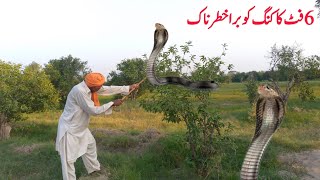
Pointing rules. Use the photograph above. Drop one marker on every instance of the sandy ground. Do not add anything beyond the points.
(307, 162)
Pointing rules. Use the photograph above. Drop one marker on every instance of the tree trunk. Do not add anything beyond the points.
(5, 128)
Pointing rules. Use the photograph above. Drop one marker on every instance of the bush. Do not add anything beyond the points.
(251, 86)
(205, 129)
(306, 92)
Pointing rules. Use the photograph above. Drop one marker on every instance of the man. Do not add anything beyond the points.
(74, 139)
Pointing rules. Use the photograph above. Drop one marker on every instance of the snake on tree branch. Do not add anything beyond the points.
(160, 38)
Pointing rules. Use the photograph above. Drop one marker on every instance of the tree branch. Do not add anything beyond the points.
(276, 87)
(290, 85)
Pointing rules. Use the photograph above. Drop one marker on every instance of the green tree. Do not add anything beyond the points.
(64, 73)
(37, 92)
(130, 71)
(23, 91)
(205, 130)
(10, 109)
(312, 67)
(288, 63)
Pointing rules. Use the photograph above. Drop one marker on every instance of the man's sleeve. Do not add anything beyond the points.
(87, 104)
(111, 90)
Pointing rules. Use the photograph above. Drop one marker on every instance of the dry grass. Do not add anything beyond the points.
(27, 149)
(136, 119)
(126, 119)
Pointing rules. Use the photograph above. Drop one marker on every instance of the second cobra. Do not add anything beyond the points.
(269, 112)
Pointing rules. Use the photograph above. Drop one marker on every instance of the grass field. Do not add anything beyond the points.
(134, 144)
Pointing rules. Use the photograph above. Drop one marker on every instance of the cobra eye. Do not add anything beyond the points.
(267, 87)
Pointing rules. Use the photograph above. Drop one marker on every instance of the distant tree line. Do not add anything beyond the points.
(309, 74)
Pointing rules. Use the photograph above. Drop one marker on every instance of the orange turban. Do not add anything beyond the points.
(92, 80)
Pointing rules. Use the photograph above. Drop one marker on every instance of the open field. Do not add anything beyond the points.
(134, 144)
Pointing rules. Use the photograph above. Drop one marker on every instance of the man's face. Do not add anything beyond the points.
(95, 88)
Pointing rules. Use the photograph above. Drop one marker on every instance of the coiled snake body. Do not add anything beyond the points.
(269, 111)
(160, 39)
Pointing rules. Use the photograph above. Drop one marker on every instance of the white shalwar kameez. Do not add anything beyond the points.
(74, 139)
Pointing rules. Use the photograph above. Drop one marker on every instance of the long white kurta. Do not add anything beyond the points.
(74, 120)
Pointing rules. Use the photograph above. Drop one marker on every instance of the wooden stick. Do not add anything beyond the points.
(124, 97)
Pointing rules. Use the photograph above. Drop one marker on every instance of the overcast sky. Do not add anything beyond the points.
(104, 32)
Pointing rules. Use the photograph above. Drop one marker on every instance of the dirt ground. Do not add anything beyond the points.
(306, 163)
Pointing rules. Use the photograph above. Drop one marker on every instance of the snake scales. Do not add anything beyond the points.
(269, 113)
(160, 38)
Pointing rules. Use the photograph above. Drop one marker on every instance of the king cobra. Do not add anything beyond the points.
(160, 39)
(269, 113)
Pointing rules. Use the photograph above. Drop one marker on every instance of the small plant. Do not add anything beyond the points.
(306, 92)
(251, 86)
(252, 112)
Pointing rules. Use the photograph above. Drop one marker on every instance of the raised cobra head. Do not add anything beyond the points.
(267, 91)
(160, 38)
(159, 26)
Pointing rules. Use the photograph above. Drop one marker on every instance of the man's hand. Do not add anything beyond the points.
(117, 102)
(134, 86)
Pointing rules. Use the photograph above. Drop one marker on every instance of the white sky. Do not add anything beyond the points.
(104, 32)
